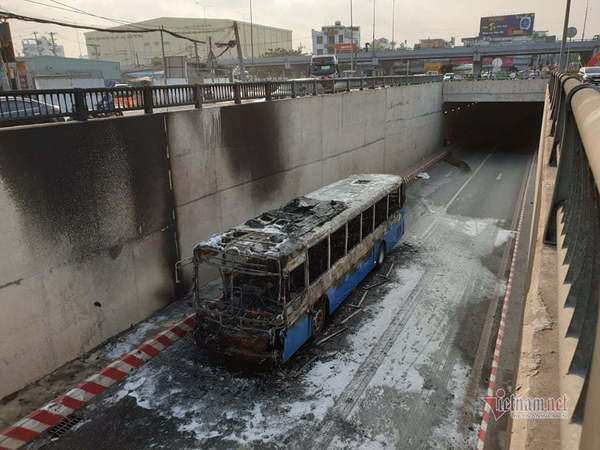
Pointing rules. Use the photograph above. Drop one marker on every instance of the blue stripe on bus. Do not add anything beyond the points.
(301, 331)
(339, 293)
(296, 335)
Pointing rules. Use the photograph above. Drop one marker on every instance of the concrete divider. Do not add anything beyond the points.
(95, 214)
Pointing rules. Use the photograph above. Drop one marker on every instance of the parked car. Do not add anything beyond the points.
(458, 78)
(590, 74)
(449, 76)
(21, 110)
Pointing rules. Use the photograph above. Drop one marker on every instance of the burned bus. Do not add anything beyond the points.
(285, 271)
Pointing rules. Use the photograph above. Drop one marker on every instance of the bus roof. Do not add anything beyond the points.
(285, 230)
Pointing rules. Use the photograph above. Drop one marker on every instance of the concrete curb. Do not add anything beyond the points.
(414, 171)
(492, 379)
(54, 412)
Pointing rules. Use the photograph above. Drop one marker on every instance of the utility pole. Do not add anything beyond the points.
(351, 40)
(37, 43)
(251, 34)
(52, 33)
(373, 43)
(587, 8)
(236, 31)
(164, 58)
(393, 17)
(562, 59)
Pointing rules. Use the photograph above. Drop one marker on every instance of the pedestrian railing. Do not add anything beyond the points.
(574, 227)
(33, 106)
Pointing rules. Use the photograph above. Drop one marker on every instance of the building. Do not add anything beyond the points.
(42, 46)
(55, 72)
(145, 49)
(434, 43)
(335, 38)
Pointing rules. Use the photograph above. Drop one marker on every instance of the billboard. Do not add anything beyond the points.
(507, 26)
(346, 48)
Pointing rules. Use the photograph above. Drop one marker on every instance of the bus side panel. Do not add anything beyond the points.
(296, 335)
(394, 234)
(338, 294)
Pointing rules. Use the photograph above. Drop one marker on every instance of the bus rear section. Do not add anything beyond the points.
(285, 271)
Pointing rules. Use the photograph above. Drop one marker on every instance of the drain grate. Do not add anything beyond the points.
(63, 426)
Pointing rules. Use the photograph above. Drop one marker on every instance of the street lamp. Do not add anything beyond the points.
(562, 59)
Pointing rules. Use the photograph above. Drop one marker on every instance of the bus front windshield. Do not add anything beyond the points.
(323, 70)
(252, 292)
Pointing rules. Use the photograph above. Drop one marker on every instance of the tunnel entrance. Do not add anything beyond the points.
(514, 125)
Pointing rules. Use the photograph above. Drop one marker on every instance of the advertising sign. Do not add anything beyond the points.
(346, 48)
(507, 26)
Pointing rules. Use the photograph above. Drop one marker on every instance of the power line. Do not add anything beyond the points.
(10, 15)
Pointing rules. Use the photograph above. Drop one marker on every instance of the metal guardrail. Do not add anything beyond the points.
(34, 106)
(574, 227)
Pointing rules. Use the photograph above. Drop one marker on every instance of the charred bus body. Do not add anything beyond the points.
(286, 270)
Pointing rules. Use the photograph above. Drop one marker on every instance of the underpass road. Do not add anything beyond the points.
(403, 375)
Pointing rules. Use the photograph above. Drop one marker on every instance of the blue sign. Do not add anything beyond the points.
(507, 26)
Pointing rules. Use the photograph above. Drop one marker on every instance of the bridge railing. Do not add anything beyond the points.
(574, 227)
(31, 106)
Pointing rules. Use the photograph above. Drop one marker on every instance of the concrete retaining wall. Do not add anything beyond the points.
(87, 232)
(86, 239)
(495, 91)
(230, 164)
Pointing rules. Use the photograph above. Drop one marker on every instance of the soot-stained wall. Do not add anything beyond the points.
(86, 235)
(231, 163)
(87, 230)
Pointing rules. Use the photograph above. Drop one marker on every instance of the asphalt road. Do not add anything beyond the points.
(405, 374)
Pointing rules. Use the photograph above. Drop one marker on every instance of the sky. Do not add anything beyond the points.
(414, 19)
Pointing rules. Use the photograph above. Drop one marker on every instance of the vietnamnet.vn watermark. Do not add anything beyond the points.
(527, 407)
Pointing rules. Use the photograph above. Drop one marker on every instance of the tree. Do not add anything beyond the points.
(283, 52)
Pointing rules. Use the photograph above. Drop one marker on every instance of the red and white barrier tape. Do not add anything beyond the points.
(30, 427)
(492, 380)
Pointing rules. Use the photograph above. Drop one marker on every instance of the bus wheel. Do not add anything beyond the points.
(319, 317)
(381, 255)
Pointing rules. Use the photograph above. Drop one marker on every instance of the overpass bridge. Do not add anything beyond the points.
(387, 58)
(98, 212)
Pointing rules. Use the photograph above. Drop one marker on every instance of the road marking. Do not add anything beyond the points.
(492, 379)
(475, 172)
(435, 221)
(499, 177)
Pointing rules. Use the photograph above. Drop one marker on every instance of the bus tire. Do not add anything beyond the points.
(319, 316)
(380, 255)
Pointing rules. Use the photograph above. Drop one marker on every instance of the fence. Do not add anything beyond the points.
(32, 106)
(574, 227)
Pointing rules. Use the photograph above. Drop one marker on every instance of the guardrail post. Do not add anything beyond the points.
(314, 86)
(80, 108)
(268, 91)
(293, 88)
(237, 96)
(197, 95)
(148, 100)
